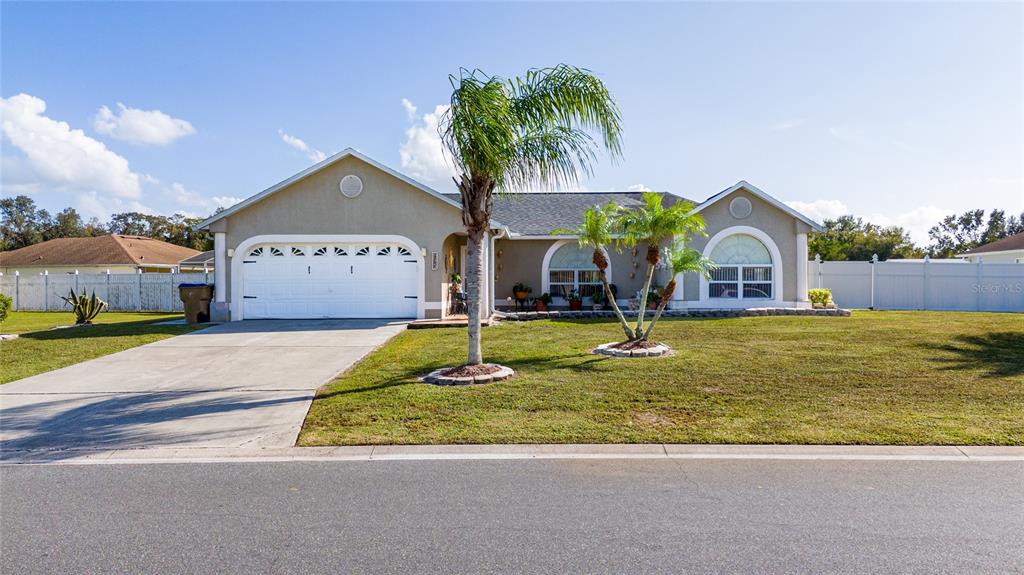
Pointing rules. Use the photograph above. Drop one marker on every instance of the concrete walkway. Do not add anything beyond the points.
(243, 384)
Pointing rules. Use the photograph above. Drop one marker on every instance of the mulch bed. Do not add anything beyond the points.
(631, 345)
(471, 370)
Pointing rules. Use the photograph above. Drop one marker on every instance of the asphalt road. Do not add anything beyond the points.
(524, 516)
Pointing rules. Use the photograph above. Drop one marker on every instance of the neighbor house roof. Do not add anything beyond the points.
(99, 250)
(1007, 244)
(541, 213)
(347, 152)
(200, 259)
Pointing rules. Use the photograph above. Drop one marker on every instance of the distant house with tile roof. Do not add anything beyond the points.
(89, 255)
(1009, 250)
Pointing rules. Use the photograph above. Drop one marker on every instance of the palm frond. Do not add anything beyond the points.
(682, 259)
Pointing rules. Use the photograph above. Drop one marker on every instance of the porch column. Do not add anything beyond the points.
(801, 269)
(485, 286)
(220, 267)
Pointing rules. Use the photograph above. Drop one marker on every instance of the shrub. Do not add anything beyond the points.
(5, 306)
(821, 296)
(84, 307)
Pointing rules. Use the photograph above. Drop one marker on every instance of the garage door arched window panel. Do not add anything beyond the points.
(256, 252)
(363, 251)
(321, 251)
(340, 251)
(744, 269)
(298, 251)
(275, 251)
(403, 252)
(384, 251)
(572, 268)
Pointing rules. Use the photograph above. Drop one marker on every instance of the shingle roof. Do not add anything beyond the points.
(198, 259)
(539, 214)
(1014, 242)
(99, 250)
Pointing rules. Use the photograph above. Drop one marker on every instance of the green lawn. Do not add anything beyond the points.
(41, 348)
(873, 378)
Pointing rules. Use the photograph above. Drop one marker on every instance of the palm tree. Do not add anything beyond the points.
(596, 232)
(681, 259)
(507, 135)
(654, 224)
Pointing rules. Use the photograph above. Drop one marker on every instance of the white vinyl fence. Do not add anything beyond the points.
(955, 286)
(122, 292)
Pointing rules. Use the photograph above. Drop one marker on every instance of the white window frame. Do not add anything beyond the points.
(546, 270)
(741, 283)
(705, 301)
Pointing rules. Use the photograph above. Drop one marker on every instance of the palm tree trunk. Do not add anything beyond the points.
(615, 306)
(643, 301)
(666, 294)
(474, 275)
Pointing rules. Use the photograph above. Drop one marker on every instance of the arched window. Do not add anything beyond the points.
(743, 269)
(572, 268)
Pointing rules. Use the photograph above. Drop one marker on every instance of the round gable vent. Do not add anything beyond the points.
(740, 207)
(351, 186)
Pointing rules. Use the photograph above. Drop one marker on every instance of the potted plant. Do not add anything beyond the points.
(598, 299)
(653, 298)
(521, 291)
(542, 302)
(456, 281)
(575, 300)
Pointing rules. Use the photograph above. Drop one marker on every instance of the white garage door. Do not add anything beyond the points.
(329, 280)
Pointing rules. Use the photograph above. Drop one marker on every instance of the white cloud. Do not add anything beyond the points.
(313, 154)
(92, 204)
(194, 204)
(788, 124)
(423, 155)
(637, 188)
(137, 126)
(63, 158)
(916, 222)
(410, 109)
(820, 210)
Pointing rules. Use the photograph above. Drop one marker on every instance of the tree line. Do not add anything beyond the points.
(851, 238)
(844, 238)
(22, 224)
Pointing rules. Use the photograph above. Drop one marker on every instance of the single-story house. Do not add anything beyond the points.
(351, 237)
(201, 262)
(95, 255)
(1009, 250)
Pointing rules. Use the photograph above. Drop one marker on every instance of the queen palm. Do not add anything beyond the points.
(509, 135)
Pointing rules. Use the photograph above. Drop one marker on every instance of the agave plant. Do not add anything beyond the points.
(85, 308)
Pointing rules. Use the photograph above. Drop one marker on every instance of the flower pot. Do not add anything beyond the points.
(540, 306)
(521, 295)
(575, 305)
(598, 307)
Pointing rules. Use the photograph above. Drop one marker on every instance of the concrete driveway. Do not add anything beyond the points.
(242, 384)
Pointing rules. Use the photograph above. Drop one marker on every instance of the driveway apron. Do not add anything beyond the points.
(241, 384)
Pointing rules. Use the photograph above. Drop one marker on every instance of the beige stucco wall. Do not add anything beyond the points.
(36, 270)
(387, 206)
(522, 261)
(780, 226)
(1016, 257)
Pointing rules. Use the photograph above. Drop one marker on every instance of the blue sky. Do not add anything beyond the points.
(896, 112)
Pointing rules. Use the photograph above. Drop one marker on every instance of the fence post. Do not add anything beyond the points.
(817, 268)
(17, 290)
(76, 281)
(46, 290)
(874, 262)
(924, 284)
(140, 289)
(979, 276)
